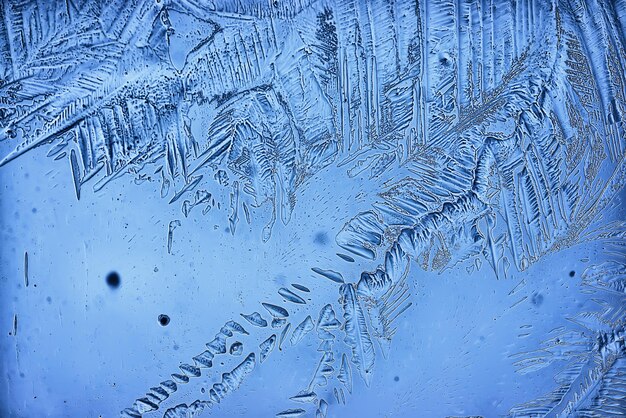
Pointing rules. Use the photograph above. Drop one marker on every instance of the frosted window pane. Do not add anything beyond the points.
(312, 208)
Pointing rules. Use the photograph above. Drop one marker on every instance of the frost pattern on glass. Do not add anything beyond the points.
(478, 132)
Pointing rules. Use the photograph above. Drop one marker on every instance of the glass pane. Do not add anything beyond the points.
(312, 208)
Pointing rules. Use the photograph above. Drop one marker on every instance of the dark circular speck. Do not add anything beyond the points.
(113, 280)
(321, 238)
(164, 320)
(396, 379)
(572, 273)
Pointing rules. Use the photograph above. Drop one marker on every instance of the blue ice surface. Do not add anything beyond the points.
(312, 208)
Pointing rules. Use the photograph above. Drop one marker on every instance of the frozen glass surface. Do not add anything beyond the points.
(349, 208)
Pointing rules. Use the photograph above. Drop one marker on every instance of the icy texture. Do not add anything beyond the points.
(278, 162)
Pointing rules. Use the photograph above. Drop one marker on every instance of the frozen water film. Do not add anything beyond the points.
(331, 208)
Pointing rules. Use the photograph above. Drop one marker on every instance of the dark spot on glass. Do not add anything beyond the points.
(572, 273)
(396, 379)
(321, 238)
(48, 299)
(113, 280)
(164, 320)
(537, 299)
